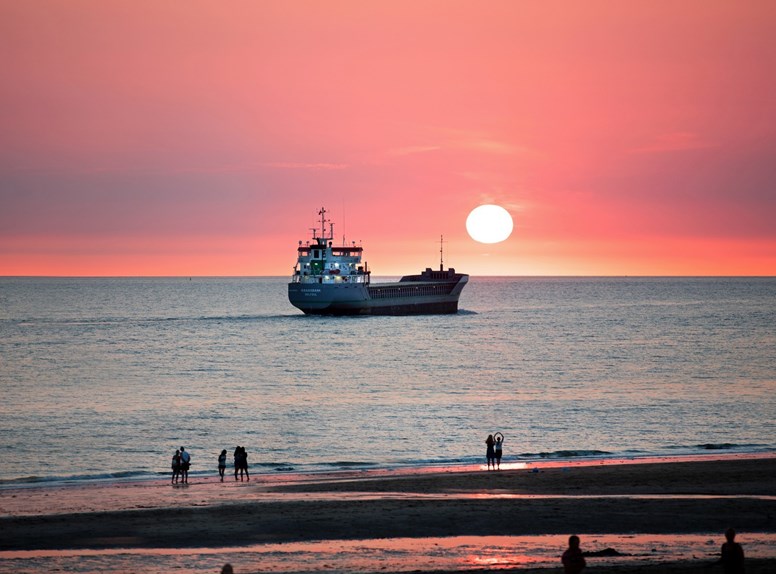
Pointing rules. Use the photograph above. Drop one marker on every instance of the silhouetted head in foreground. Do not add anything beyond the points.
(227, 569)
(730, 535)
(573, 541)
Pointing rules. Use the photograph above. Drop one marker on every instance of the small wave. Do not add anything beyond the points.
(267, 465)
(349, 464)
(236, 318)
(22, 480)
(98, 321)
(728, 446)
(76, 477)
(721, 446)
(566, 454)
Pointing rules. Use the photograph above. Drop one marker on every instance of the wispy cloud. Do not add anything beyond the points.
(674, 141)
(491, 146)
(484, 142)
(302, 165)
(224, 168)
(449, 140)
(411, 150)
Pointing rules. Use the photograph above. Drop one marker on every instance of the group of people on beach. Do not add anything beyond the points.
(494, 449)
(181, 462)
(240, 463)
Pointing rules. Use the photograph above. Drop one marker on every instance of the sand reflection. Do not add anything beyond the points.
(459, 553)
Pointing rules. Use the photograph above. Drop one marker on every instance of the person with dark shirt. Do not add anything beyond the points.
(732, 554)
(237, 460)
(176, 466)
(222, 464)
(573, 561)
(244, 464)
(241, 463)
(489, 452)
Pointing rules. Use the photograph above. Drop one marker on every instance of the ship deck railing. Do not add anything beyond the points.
(414, 289)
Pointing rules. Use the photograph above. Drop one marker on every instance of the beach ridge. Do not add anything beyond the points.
(710, 496)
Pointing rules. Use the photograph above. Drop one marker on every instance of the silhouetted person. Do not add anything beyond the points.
(244, 464)
(241, 463)
(497, 449)
(237, 454)
(185, 463)
(489, 452)
(222, 464)
(732, 554)
(573, 561)
(227, 569)
(176, 466)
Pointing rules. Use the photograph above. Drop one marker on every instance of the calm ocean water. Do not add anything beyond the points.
(106, 377)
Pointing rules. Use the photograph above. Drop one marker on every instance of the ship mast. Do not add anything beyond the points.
(324, 221)
(441, 261)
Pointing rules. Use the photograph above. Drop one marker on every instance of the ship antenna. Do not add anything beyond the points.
(322, 213)
(441, 260)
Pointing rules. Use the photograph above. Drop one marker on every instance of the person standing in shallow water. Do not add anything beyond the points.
(244, 464)
(237, 454)
(732, 554)
(489, 452)
(222, 464)
(572, 559)
(185, 463)
(176, 466)
(497, 449)
(241, 462)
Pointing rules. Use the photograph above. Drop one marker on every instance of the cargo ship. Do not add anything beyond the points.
(331, 280)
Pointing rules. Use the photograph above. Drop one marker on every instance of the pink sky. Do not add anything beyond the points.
(201, 138)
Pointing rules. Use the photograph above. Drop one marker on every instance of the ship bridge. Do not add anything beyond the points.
(323, 262)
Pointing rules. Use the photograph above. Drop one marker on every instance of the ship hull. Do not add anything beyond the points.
(400, 298)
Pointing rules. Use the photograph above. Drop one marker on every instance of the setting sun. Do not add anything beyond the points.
(489, 224)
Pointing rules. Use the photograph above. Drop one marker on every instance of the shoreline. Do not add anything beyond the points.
(614, 500)
(369, 470)
(284, 470)
(602, 486)
(30, 499)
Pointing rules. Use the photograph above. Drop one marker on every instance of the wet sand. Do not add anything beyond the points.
(652, 498)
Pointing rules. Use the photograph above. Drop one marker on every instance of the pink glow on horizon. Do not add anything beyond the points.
(144, 138)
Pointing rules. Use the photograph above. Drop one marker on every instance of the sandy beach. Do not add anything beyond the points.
(654, 498)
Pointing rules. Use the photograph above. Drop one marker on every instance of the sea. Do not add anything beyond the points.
(104, 378)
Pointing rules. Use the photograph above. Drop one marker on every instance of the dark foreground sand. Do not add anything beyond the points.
(659, 498)
(752, 567)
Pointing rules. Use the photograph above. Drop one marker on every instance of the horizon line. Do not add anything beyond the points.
(617, 276)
